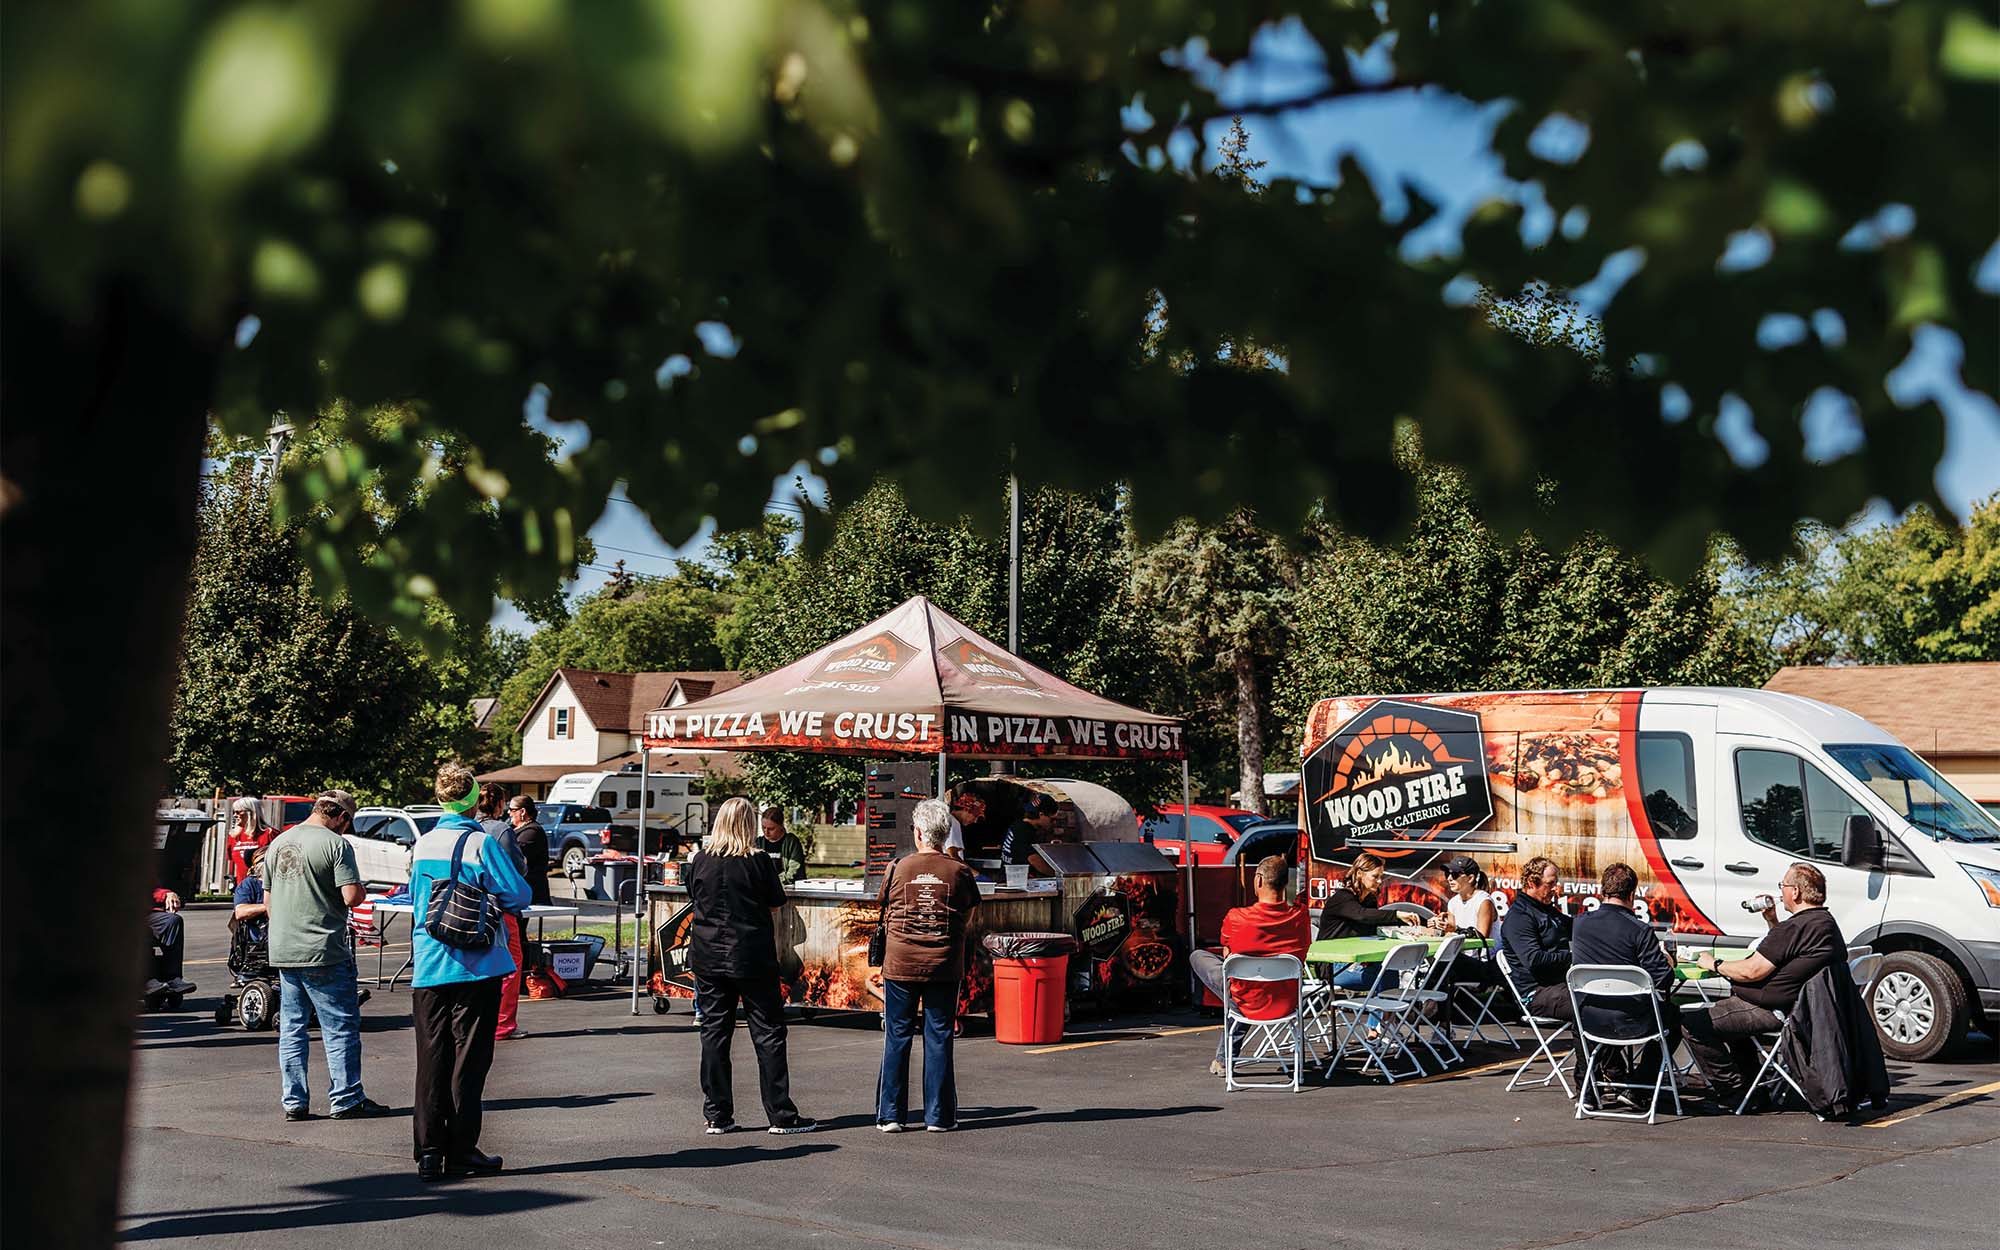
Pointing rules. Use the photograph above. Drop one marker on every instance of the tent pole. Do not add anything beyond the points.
(1187, 860)
(940, 784)
(639, 881)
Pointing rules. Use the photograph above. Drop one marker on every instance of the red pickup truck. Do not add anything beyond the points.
(1214, 828)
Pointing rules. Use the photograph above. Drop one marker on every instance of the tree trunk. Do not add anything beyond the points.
(1249, 733)
(100, 453)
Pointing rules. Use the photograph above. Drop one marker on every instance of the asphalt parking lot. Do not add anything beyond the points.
(1116, 1138)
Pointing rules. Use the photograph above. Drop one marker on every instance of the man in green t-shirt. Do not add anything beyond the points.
(310, 880)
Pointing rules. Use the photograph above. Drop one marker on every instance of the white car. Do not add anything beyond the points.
(382, 839)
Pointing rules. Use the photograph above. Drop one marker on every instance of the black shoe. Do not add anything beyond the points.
(473, 1161)
(797, 1124)
(430, 1165)
(179, 986)
(298, 1113)
(366, 1109)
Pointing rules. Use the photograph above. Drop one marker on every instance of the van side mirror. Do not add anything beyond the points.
(1861, 843)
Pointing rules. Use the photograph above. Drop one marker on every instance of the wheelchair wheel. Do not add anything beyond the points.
(255, 1005)
(226, 1012)
(659, 1005)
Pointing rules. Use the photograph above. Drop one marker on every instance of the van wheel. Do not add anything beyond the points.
(572, 860)
(1919, 1005)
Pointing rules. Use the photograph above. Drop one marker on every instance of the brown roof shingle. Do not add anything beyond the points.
(1938, 709)
(618, 702)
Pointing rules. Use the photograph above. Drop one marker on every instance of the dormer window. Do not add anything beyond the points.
(559, 722)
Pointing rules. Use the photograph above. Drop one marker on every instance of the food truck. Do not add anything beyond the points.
(1709, 794)
(920, 683)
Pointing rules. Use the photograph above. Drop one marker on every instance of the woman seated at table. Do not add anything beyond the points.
(1350, 911)
(1469, 908)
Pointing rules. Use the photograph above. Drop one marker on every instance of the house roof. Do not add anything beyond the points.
(618, 702)
(1937, 709)
(482, 712)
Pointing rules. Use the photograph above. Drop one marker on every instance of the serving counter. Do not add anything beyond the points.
(1125, 923)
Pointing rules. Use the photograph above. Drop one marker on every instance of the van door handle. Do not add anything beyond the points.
(1685, 863)
(1742, 870)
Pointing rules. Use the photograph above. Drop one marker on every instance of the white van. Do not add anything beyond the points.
(672, 800)
(1708, 793)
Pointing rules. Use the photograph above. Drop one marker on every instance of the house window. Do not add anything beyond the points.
(559, 726)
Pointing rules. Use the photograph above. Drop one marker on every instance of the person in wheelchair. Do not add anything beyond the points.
(252, 912)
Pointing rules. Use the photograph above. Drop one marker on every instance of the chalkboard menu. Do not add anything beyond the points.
(894, 789)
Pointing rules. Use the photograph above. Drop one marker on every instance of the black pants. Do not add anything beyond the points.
(1719, 1039)
(169, 935)
(1619, 1063)
(717, 997)
(1552, 1002)
(454, 1025)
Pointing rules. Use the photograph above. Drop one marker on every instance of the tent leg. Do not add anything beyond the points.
(940, 783)
(639, 881)
(1187, 865)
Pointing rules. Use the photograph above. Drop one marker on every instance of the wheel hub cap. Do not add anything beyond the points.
(1904, 1008)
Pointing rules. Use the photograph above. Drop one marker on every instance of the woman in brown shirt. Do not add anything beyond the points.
(926, 904)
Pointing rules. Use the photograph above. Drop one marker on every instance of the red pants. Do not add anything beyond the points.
(510, 985)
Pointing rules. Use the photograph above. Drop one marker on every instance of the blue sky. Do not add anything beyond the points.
(1437, 144)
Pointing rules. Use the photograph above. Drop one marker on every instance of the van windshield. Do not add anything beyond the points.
(1915, 789)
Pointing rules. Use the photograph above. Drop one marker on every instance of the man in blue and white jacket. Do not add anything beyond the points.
(455, 993)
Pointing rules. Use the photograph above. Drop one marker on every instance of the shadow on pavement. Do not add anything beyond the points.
(970, 1121)
(356, 1200)
(674, 1160)
(566, 1102)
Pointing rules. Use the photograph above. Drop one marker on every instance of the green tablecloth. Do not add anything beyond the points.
(1688, 970)
(1372, 950)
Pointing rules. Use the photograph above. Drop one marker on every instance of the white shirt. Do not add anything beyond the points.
(1464, 912)
(955, 840)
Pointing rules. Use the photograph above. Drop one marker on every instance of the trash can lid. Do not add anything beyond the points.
(1029, 945)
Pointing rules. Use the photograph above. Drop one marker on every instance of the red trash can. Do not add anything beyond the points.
(1030, 982)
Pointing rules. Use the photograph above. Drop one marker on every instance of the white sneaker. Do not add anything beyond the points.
(888, 1126)
(939, 1128)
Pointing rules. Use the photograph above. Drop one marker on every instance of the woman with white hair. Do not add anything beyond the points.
(927, 903)
(733, 952)
(247, 833)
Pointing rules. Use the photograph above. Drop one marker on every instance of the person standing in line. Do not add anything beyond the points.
(733, 952)
(310, 880)
(533, 842)
(782, 844)
(455, 990)
(495, 823)
(247, 834)
(927, 904)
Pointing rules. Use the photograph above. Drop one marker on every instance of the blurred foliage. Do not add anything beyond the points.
(899, 237)
(1914, 592)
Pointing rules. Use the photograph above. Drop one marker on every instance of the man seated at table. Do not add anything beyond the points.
(1535, 941)
(1769, 980)
(1614, 934)
(1273, 925)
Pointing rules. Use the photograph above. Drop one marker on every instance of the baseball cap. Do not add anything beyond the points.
(342, 799)
(1461, 866)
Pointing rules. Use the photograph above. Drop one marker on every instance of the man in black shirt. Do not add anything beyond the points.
(1769, 980)
(1534, 941)
(1614, 934)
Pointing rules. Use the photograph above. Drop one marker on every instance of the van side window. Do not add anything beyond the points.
(1792, 806)
(1666, 780)
(608, 798)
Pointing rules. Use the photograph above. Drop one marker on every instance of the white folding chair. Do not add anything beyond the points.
(1772, 1073)
(1391, 1004)
(1472, 1002)
(1278, 1040)
(1546, 1029)
(1618, 981)
(1864, 965)
(1433, 1020)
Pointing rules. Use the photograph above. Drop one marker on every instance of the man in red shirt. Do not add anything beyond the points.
(1274, 925)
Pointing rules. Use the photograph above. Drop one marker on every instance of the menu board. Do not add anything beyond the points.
(894, 789)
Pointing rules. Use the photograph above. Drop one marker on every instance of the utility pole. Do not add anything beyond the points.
(1014, 564)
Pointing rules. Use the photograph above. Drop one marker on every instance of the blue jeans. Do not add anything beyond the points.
(331, 991)
(900, 1003)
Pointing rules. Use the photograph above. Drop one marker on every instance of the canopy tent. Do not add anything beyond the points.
(916, 681)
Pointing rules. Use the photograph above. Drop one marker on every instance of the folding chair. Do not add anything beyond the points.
(1269, 1040)
(1546, 1029)
(1618, 981)
(1771, 1071)
(1473, 1009)
(1434, 995)
(1392, 1002)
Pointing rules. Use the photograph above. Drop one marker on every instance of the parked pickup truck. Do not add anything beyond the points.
(576, 832)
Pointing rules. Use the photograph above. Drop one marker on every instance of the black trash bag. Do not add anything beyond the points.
(1029, 945)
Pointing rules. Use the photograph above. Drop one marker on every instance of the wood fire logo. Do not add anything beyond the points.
(1398, 771)
(871, 659)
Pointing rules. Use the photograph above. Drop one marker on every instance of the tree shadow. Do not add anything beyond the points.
(355, 1200)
